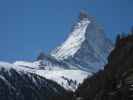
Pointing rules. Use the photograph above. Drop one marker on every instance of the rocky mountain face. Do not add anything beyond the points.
(115, 82)
(87, 46)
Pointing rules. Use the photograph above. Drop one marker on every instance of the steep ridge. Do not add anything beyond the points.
(86, 47)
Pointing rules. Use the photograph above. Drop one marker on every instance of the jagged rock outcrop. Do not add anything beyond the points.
(115, 82)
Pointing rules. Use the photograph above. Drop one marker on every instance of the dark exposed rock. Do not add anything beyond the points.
(115, 82)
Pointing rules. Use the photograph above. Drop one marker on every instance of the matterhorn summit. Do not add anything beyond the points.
(87, 47)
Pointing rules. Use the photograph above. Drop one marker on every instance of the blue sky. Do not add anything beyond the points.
(28, 26)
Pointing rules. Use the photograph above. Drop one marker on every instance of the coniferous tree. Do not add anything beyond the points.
(118, 37)
(123, 35)
(131, 31)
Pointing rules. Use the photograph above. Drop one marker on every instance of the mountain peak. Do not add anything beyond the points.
(87, 46)
(83, 15)
(73, 43)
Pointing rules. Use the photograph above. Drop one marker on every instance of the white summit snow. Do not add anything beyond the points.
(73, 43)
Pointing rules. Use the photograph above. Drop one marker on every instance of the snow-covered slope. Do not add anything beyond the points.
(86, 47)
(67, 78)
(16, 84)
(74, 42)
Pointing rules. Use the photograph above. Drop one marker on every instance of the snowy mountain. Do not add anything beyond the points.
(84, 52)
(86, 47)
